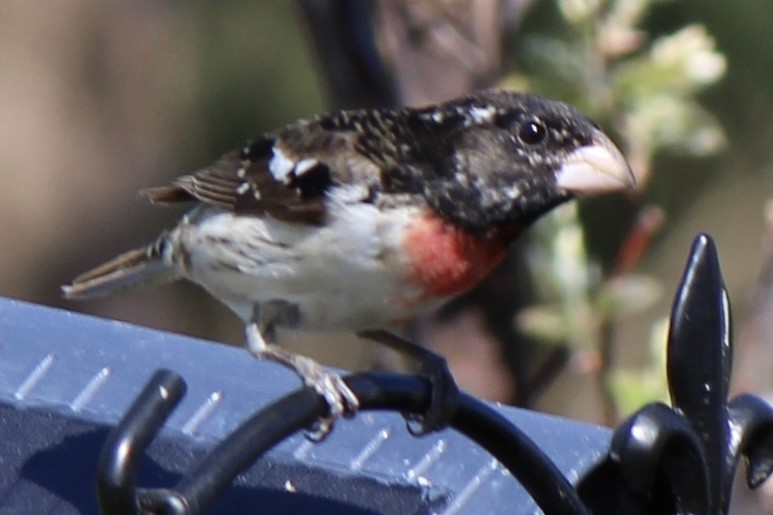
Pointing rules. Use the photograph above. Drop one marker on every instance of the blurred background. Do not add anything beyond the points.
(100, 98)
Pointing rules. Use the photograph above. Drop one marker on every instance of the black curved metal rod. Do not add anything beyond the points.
(552, 492)
(126, 443)
(215, 473)
(751, 422)
(517, 452)
(656, 440)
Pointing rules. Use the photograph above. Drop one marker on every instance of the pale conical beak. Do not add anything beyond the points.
(596, 168)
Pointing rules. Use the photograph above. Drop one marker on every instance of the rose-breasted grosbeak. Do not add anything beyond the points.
(358, 219)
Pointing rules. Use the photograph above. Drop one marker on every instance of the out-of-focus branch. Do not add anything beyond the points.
(342, 36)
(440, 49)
(647, 224)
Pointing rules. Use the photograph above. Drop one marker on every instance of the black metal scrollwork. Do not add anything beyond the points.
(685, 456)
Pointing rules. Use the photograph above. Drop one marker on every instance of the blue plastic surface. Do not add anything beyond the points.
(65, 378)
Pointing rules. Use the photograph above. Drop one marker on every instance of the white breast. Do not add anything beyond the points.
(346, 275)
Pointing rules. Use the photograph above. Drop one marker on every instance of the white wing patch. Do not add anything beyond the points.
(280, 166)
(304, 165)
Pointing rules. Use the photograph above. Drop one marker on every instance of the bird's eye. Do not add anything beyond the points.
(532, 132)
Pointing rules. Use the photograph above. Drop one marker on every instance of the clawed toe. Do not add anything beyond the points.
(444, 394)
(341, 401)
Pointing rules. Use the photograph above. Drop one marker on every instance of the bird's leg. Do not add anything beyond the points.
(444, 394)
(339, 397)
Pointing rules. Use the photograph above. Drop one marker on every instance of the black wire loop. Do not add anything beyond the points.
(202, 485)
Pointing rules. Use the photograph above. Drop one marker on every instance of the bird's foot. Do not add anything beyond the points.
(444, 395)
(341, 401)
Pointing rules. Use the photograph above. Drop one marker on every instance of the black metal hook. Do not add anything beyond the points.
(121, 453)
(751, 419)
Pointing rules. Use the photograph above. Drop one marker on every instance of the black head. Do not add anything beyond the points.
(510, 157)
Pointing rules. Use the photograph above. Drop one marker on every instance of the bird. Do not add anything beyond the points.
(360, 219)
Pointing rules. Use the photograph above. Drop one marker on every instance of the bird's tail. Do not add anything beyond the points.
(131, 269)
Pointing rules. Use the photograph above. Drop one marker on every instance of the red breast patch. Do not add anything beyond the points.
(447, 260)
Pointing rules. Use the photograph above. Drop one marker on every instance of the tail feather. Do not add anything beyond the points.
(131, 269)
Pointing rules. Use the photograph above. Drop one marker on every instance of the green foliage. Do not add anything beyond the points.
(632, 389)
(644, 90)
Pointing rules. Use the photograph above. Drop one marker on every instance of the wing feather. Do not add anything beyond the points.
(243, 182)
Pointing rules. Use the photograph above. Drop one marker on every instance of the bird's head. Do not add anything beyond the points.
(514, 156)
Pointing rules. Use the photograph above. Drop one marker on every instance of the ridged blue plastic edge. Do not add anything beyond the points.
(59, 366)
